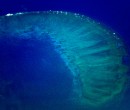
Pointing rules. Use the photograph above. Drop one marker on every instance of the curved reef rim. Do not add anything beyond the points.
(90, 50)
(82, 16)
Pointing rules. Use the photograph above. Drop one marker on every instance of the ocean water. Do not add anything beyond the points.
(32, 73)
(56, 60)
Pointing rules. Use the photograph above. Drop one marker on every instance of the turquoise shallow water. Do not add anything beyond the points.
(60, 61)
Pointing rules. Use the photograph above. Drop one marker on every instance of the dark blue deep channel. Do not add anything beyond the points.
(32, 75)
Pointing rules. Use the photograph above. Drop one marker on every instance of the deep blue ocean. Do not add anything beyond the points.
(33, 76)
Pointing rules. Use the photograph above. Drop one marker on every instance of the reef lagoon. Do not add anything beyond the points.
(56, 60)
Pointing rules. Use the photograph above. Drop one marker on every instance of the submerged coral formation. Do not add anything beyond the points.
(92, 52)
